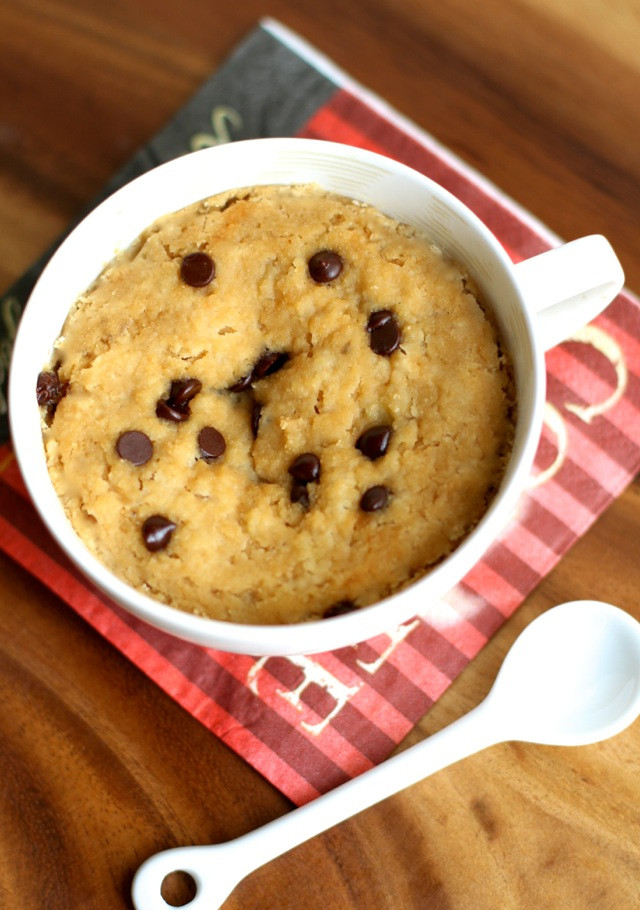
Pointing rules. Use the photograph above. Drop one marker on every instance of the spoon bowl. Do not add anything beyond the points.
(572, 677)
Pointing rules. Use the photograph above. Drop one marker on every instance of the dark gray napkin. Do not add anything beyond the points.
(263, 89)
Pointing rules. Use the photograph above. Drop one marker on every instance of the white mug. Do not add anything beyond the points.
(537, 304)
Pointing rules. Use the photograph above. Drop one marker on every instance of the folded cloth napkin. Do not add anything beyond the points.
(310, 723)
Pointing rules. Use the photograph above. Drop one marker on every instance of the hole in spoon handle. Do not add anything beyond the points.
(217, 869)
(214, 878)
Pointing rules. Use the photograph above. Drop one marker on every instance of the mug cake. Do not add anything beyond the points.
(277, 405)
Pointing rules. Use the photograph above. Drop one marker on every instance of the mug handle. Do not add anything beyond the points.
(568, 286)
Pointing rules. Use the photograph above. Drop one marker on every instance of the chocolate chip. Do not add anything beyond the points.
(384, 332)
(256, 413)
(176, 406)
(156, 532)
(324, 266)
(374, 442)
(374, 499)
(167, 411)
(299, 493)
(134, 446)
(268, 364)
(378, 319)
(305, 468)
(339, 609)
(211, 442)
(197, 269)
(50, 389)
(183, 390)
(242, 384)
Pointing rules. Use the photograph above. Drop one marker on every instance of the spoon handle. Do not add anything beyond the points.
(216, 869)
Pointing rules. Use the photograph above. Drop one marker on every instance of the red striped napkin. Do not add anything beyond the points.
(310, 723)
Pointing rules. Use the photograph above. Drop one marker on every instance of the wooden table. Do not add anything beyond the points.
(98, 768)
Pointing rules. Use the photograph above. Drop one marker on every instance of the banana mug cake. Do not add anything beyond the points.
(277, 405)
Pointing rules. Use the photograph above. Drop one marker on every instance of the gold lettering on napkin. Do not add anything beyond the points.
(9, 316)
(555, 422)
(609, 348)
(604, 344)
(395, 638)
(223, 118)
(314, 673)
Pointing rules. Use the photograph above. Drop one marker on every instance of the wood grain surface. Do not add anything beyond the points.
(98, 768)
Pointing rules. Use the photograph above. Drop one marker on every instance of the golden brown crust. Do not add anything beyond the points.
(241, 549)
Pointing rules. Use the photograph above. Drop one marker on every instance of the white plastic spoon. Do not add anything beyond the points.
(571, 678)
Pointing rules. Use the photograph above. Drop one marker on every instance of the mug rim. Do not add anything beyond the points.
(303, 637)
